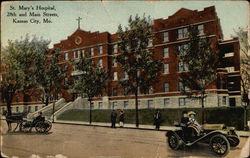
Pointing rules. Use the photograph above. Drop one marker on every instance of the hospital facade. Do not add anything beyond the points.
(169, 36)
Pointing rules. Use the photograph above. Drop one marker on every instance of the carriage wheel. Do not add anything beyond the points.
(220, 145)
(233, 140)
(40, 127)
(173, 141)
(47, 125)
(25, 127)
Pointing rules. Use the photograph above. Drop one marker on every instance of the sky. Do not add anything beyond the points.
(106, 16)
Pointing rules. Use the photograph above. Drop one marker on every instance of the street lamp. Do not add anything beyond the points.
(246, 98)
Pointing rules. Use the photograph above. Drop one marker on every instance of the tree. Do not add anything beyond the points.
(10, 80)
(91, 82)
(245, 64)
(50, 75)
(26, 54)
(201, 62)
(135, 59)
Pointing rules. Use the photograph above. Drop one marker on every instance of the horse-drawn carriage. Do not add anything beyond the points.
(39, 123)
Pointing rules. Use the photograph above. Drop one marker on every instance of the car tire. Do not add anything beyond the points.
(220, 145)
(173, 142)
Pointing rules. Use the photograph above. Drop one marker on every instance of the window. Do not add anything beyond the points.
(92, 105)
(224, 100)
(76, 54)
(165, 36)
(182, 67)
(99, 105)
(139, 102)
(66, 56)
(150, 43)
(114, 91)
(99, 49)
(91, 51)
(114, 48)
(182, 101)
(83, 54)
(29, 108)
(79, 53)
(181, 50)
(165, 68)
(166, 87)
(114, 63)
(150, 90)
(125, 91)
(150, 104)
(115, 77)
(166, 101)
(230, 54)
(17, 98)
(125, 104)
(100, 62)
(182, 33)
(36, 108)
(125, 75)
(201, 29)
(17, 109)
(230, 69)
(138, 73)
(114, 105)
(181, 86)
(165, 53)
(65, 81)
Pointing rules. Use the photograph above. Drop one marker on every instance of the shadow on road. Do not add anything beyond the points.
(25, 133)
(197, 150)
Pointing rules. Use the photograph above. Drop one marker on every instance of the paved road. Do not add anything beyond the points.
(77, 141)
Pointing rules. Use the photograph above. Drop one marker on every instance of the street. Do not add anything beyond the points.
(77, 141)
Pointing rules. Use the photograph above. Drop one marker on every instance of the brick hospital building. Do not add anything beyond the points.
(170, 34)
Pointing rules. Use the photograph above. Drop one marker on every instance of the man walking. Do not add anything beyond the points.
(157, 119)
(113, 118)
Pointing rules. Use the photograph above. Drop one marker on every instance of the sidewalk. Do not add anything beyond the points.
(133, 126)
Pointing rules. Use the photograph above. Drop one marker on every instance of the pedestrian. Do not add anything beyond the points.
(121, 118)
(157, 119)
(113, 118)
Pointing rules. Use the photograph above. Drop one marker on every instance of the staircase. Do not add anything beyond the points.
(47, 111)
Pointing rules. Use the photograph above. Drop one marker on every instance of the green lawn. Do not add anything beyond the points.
(231, 116)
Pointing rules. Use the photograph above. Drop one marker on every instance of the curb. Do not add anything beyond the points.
(240, 133)
(83, 124)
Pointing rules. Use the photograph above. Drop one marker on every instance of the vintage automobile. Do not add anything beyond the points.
(218, 136)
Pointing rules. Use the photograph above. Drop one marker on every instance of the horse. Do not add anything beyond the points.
(17, 118)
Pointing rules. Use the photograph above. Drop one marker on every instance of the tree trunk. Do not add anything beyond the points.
(90, 111)
(53, 111)
(25, 100)
(9, 107)
(202, 110)
(136, 110)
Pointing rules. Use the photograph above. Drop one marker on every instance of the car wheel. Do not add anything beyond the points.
(220, 145)
(173, 141)
(233, 140)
